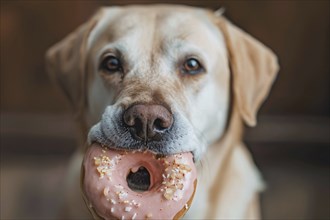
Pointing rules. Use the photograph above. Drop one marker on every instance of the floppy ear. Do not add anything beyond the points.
(253, 66)
(65, 63)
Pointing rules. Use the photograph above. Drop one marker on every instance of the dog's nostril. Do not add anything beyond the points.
(138, 124)
(160, 125)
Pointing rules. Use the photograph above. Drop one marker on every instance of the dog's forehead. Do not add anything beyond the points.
(148, 24)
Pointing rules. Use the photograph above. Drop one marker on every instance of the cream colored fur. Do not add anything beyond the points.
(210, 107)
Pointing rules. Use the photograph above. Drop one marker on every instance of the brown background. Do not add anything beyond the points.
(290, 143)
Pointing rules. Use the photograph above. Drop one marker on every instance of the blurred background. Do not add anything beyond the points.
(290, 144)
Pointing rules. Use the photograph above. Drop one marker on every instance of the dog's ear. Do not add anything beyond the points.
(253, 66)
(66, 61)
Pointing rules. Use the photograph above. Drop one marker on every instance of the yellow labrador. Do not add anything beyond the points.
(170, 79)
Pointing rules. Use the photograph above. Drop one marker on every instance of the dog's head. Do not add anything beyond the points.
(159, 77)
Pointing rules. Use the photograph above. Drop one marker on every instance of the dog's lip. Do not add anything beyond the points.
(145, 148)
(157, 136)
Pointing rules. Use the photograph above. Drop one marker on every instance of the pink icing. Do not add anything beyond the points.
(108, 193)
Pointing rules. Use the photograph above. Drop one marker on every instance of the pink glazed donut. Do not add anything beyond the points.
(110, 193)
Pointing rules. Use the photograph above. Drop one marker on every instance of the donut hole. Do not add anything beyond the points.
(139, 181)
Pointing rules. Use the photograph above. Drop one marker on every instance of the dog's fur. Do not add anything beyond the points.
(209, 108)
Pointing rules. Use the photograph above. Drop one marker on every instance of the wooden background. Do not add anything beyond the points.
(290, 143)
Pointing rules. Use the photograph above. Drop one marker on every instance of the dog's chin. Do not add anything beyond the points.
(142, 148)
(170, 144)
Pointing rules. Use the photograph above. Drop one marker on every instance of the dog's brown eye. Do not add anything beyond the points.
(192, 66)
(111, 64)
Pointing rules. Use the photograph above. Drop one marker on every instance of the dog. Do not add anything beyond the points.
(170, 79)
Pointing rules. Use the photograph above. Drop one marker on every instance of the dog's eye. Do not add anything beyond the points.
(192, 66)
(111, 64)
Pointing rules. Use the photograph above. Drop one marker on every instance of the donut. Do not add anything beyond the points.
(120, 184)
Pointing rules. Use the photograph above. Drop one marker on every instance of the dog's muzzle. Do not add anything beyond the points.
(146, 127)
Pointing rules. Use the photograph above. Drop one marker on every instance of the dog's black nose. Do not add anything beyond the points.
(148, 122)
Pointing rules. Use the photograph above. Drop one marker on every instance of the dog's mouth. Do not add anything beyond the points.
(110, 131)
(137, 176)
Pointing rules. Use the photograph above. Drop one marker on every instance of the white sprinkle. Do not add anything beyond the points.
(113, 201)
(134, 216)
(128, 209)
(122, 217)
(164, 176)
(186, 206)
(122, 195)
(112, 209)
